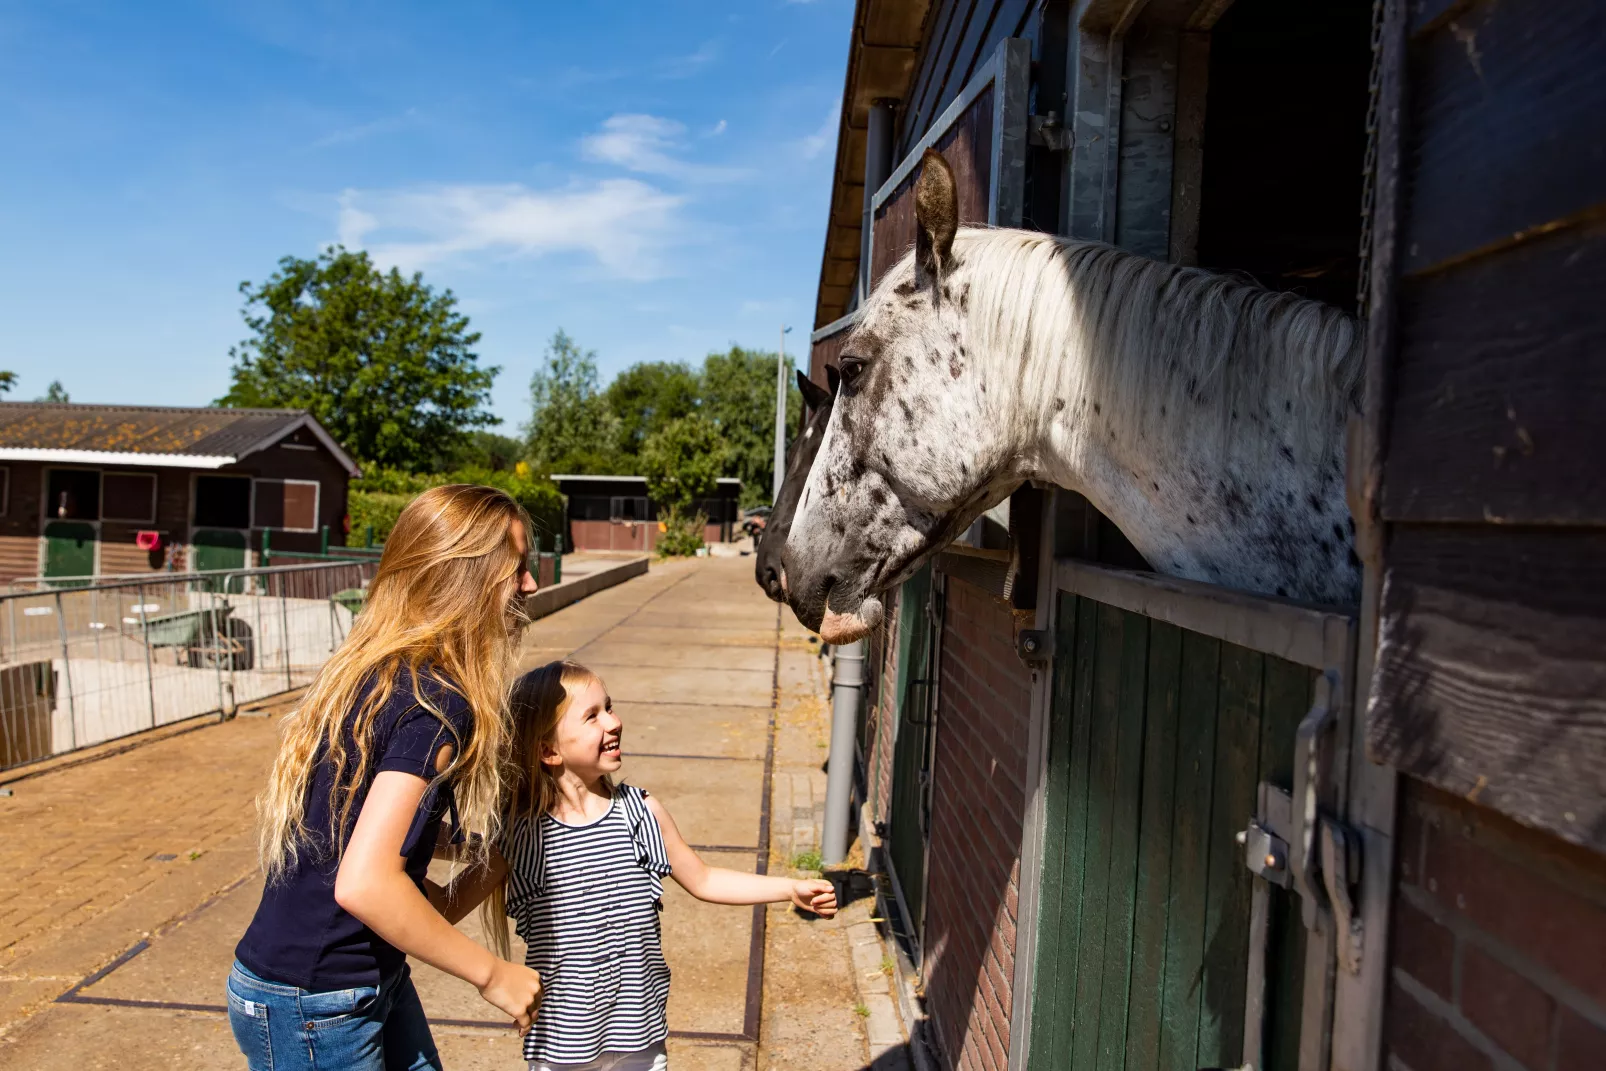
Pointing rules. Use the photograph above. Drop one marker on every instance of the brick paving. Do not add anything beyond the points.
(154, 844)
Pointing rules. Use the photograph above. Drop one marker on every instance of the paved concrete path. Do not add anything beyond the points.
(125, 881)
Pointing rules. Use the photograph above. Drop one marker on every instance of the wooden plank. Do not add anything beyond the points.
(1498, 388)
(1077, 832)
(1227, 897)
(1093, 968)
(936, 61)
(1158, 817)
(1490, 681)
(1053, 947)
(1144, 158)
(1190, 864)
(1193, 79)
(1512, 93)
(1125, 803)
(1287, 694)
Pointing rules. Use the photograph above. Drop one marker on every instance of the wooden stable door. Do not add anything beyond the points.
(911, 749)
(1158, 739)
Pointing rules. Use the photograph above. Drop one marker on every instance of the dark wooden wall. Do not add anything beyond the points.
(1491, 672)
(960, 36)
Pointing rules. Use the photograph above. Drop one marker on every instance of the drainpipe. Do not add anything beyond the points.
(877, 166)
(847, 691)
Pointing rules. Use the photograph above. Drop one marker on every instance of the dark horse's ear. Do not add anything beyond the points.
(814, 395)
(937, 216)
(833, 378)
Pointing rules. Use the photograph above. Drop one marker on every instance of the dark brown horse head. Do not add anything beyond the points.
(771, 576)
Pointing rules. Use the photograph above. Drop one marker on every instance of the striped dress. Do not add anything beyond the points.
(586, 901)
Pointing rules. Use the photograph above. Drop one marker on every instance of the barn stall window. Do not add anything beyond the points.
(223, 501)
(72, 494)
(287, 505)
(128, 496)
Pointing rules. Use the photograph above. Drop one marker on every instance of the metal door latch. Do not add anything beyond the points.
(1341, 858)
(1047, 132)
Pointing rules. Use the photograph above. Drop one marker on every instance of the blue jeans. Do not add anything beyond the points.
(369, 1028)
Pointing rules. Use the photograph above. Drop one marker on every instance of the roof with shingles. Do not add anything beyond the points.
(139, 429)
(152, 431)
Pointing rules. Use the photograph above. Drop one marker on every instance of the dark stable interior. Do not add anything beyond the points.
(1284, 145)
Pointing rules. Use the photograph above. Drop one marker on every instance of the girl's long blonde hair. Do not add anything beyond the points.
(443, 603)
(540, 699)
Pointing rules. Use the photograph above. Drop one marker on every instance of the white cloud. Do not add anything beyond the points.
(825, 137)
(624, 223)
(644, 143)
(719, 128)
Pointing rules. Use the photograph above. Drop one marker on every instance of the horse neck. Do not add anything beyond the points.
(1245, 493)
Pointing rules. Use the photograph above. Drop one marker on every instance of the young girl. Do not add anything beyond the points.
(406, 723)
(586, 860)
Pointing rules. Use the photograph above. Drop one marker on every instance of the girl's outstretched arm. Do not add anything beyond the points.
(716, 885)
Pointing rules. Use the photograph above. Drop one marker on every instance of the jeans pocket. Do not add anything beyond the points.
(320, 1010)
(248, 1020)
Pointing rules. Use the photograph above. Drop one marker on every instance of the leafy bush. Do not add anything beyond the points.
(682, 536)
(379, 497)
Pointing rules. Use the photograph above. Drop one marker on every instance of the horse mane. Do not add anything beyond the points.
(1154, 342)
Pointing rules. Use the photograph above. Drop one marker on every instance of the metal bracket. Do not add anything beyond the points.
(1047, 132)
(1341, 863)
(1310, 762)
(1034, 645)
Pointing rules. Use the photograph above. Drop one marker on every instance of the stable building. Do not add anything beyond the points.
(114, 490)
(616, 513)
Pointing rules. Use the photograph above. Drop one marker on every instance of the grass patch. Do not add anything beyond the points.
(887, 966)
(862, 1010)
(809, 860)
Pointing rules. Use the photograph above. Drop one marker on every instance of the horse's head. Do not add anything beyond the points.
(916, 447)
(768, 569)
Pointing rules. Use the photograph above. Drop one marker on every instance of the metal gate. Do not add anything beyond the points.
(1182, 921)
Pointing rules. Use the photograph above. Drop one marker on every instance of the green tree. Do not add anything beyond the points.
(571, 428)
(682, 460)
(55, 392)
(383, 361)
(7, 381)
(738, 395)
(645, 398)
(488, 450)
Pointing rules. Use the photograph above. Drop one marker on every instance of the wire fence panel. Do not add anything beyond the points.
(85, 664)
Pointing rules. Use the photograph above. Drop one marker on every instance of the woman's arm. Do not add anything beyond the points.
(716, 885)
(373, 885)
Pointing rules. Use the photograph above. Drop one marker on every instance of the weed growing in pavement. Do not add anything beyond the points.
(809, 860)
(887, 966)
(862, 1010)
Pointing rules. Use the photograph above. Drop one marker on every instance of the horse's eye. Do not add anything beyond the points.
(851, 367)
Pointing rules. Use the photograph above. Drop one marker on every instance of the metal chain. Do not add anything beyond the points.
(1369, 165)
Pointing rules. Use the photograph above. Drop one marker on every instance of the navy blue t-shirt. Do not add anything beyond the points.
(300, 935)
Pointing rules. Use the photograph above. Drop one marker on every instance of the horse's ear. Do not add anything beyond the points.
(936, 213)
(833, 378)
(814, 395)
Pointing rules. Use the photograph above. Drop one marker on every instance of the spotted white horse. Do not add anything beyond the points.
(1200, 412)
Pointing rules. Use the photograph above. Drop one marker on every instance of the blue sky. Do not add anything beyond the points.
(651, 176)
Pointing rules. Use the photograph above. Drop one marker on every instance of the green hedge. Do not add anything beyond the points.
(379, 497)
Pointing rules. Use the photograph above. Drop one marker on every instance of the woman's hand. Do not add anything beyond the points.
(516, 990)
(815, 895)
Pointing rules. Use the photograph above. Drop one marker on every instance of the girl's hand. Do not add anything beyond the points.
(515, 989)
(815, 895)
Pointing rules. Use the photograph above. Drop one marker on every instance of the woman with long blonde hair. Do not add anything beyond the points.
(406, 725)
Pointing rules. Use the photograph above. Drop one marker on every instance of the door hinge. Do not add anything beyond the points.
(1034, 645)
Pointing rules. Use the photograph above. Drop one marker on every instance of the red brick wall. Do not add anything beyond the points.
(978, 806)
(1499, 944)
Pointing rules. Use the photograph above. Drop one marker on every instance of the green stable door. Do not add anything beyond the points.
(1158, 740)
(911, 746)
(218, 548)
(70, 550)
